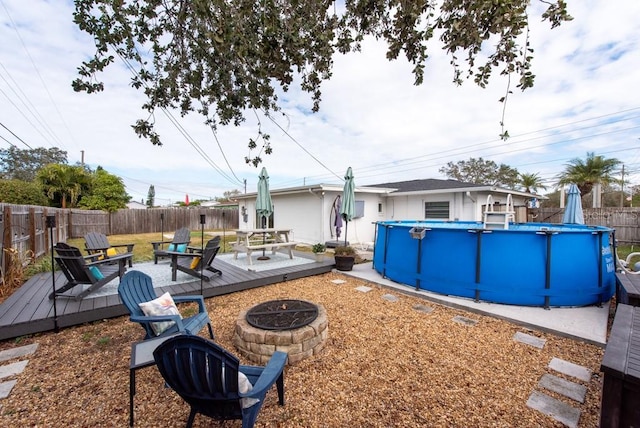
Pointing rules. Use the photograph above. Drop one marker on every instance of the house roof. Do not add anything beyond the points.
(434, 186)
(427, 184)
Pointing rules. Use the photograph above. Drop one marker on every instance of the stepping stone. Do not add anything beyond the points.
(390, 297)
(338, 281)
(6, 387)
(464, 320)
(364, 289)
(573, 390)
(536, 342)
(12, 369)
(423, 308)
(557, 409)
(21, 351)
(571, 369)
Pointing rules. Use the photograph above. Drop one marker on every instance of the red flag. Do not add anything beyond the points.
(186, 200)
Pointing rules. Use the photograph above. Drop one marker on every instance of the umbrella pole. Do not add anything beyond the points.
(346, 228)
(264, 226)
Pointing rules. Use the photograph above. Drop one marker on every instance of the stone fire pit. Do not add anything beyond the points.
(297, 327)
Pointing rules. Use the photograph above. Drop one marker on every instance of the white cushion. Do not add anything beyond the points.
(163, 305)
(244, 386)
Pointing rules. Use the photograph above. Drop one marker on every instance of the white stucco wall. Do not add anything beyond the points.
(462, 207)
(308, 213)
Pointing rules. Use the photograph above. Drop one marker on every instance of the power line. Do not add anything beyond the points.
(19, 139)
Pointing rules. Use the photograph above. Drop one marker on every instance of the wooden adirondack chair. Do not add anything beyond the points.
(206, 377)
(196, 263)
(137, 287)
(98, 244)
(180, 238)
(78, 271)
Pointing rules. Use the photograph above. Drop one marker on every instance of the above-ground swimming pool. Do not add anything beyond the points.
(528, 264)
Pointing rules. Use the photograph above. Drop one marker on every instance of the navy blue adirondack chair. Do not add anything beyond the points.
(206, 377)
(137, 287)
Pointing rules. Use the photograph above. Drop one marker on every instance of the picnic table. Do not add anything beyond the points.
(250, 240)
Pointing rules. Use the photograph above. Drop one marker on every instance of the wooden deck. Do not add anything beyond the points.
(29, 310)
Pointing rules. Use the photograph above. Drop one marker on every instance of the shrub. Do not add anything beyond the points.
(345, 251)
(318, 248)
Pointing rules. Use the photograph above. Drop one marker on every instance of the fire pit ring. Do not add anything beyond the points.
(257, 343)
(283, 314)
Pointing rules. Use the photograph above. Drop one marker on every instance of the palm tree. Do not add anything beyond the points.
(585, 173)
(63, 181)
(531, 182)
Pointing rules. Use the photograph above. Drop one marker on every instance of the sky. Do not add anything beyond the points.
(372, 117)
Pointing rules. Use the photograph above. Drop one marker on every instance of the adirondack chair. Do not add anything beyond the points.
(206, 376)
(196, 263)
(81, 270)
(180, 239)
(137, 287)
(98, 244)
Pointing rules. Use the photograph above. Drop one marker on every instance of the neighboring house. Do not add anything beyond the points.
(133, 205)
(309, 211)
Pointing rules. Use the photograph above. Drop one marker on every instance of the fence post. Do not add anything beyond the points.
(32, 230)
(6, 239)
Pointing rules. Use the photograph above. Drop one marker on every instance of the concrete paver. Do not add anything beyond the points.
(18, 352)
(390, 297)
(12, 369)
(528, 339)
(573, 390)
(554, 408)
(423, 308)
(6, 387)
(570, 369)
(464, 320)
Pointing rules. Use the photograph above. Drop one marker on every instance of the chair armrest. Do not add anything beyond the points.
(189, 299)
(122, 256)
(179, 254)
(129, 246)
(270, 374)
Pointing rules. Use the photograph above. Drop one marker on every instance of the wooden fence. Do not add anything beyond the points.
(26, 234)
(625, 221)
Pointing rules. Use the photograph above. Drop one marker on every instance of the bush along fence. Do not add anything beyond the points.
(26, 235)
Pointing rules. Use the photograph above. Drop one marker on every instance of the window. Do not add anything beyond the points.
(359, 209)
(439, 210)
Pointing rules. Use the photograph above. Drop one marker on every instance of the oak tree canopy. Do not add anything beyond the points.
(222, 58)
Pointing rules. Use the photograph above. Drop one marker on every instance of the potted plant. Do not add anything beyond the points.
(345, 257)
(319, 249)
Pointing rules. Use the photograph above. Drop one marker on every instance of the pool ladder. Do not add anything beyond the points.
(498, 219)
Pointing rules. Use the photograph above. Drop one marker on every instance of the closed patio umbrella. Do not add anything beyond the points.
(573, 208)
(348, 208)
(337, 204)
(264, 206)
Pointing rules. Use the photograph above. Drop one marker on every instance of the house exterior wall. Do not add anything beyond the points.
(462, 207)
(308, 213)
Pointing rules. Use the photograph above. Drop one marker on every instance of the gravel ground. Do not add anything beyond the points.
(385, 364)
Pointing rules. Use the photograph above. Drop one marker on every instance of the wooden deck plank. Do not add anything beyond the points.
(28, 310)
